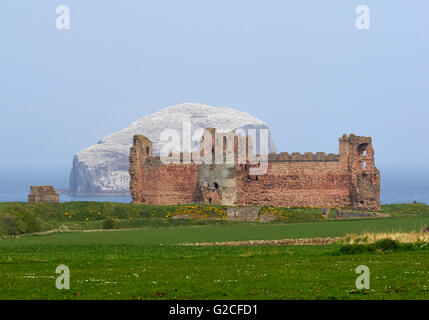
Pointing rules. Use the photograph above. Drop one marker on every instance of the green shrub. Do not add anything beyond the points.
(387, 244)
(46, 211)
(30, 221)
(380, 245)
(120, 212)
(109, 223)
(356, 248)
(10, 224)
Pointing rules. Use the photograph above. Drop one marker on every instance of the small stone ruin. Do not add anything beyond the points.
(43, 194)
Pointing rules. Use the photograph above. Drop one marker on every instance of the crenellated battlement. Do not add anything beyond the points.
(187, 157)
(306, 157)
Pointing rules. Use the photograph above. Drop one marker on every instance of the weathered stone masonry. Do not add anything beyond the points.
(43, 194)
(349, 179)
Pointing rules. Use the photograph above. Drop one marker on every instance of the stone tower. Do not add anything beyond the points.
(357, 156)
(140, 152)
(218, 173)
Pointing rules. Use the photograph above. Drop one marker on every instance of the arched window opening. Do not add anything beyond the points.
(362, 149)
(147, 151)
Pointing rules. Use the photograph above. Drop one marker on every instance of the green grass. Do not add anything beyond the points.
(90, 215)
(223, 232)
(157, 272)
(147, 263)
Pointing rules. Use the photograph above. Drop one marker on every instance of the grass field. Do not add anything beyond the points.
(148, 263)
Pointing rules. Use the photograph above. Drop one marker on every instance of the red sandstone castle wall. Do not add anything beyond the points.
(296, 184)
(308, 180)
(153, 182)
(167, 184)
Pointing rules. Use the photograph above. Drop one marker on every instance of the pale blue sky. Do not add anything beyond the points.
(301, 66)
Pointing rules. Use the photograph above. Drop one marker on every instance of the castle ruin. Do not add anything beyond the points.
(220, 174)
(43, 194)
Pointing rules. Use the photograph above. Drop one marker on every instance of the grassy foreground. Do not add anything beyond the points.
(148, 263)
(171, 272)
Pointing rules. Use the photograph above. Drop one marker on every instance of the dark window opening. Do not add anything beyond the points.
(362, 149)
(256, 178)
(216, 185)
(224, 149)
(210, 200)
(147, 151)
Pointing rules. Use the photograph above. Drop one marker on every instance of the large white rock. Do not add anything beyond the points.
(102, 169)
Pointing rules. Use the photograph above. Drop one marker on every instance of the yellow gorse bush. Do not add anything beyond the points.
(199, 211)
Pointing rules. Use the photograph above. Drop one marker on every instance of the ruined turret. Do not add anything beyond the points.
(140, 151)
(357, 156)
